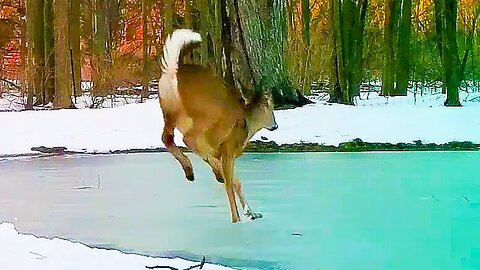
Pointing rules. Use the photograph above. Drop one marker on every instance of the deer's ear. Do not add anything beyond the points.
(257, 95)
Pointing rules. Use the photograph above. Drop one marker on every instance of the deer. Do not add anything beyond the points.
(215, 123)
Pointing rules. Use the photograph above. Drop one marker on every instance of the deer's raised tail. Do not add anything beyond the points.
(171, 53)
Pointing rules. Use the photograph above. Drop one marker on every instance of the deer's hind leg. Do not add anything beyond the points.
(168, 140)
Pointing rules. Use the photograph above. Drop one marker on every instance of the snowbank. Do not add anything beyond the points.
(22, 252)
(376, 119)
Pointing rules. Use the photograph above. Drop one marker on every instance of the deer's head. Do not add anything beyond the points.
(260, 113)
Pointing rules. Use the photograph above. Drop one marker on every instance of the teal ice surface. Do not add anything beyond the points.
(333, 211)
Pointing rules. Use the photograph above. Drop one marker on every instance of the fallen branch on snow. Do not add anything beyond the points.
(199, 266)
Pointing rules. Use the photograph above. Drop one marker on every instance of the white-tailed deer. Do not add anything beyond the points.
(215, 123)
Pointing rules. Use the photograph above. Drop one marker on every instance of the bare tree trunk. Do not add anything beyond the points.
(337, 71)
(74, 24)
(396, 68)
(23, 49)
(87, 31)
(453, 72)
(306, 21)
(207, 15)
(217, 36)
(49, 75)
(188, 14)
(359, 20)
(439, 38)
(392, 8)
(306, 41)
(146, 71)
(168, 6)
(337, 74)
(63, 83)
(404, 55)
(36, 54)
(210, 27)
(451, 65)
(227, 19)
(348, 17)
(258, 39)
(244, 41)
(100, 70)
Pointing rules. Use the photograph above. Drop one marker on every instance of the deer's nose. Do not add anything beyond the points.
(273, 127)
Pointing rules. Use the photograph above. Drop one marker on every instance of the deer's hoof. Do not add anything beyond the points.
(256, 216)
(253, 215)
(190, 177)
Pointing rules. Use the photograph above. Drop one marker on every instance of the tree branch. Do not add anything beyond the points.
(10, 83)
(469, 46)
(199, 266)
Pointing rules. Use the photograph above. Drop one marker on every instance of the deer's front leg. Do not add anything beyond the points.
(237, 187)
(247, 211)
(228, 167)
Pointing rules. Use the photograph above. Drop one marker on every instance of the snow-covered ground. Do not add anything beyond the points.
(381, 119)
(22, 252)
(376, 119)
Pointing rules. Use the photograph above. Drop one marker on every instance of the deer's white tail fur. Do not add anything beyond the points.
(167, 86)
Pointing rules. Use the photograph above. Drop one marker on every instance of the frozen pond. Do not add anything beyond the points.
(336, 211)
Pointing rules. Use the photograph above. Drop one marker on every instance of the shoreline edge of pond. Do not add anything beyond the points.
(356, 145)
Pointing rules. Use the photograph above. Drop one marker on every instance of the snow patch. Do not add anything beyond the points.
(19, 252)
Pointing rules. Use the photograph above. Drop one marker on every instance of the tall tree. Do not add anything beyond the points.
(254, 37)
(101, 52)
(167, 12)
(392, 10)
(397, 31)
(188, 17)
(404, 47)
(49, 70)
(438, 13)
(63, 82)
(452, 68)
(6, 32)
(146, 72)
(87, 14)
(306, 21)
(74, 30)
(208, 30)
(227, 39)
(23, 49)
(36, 56)
(306, 41)
(348, 23)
